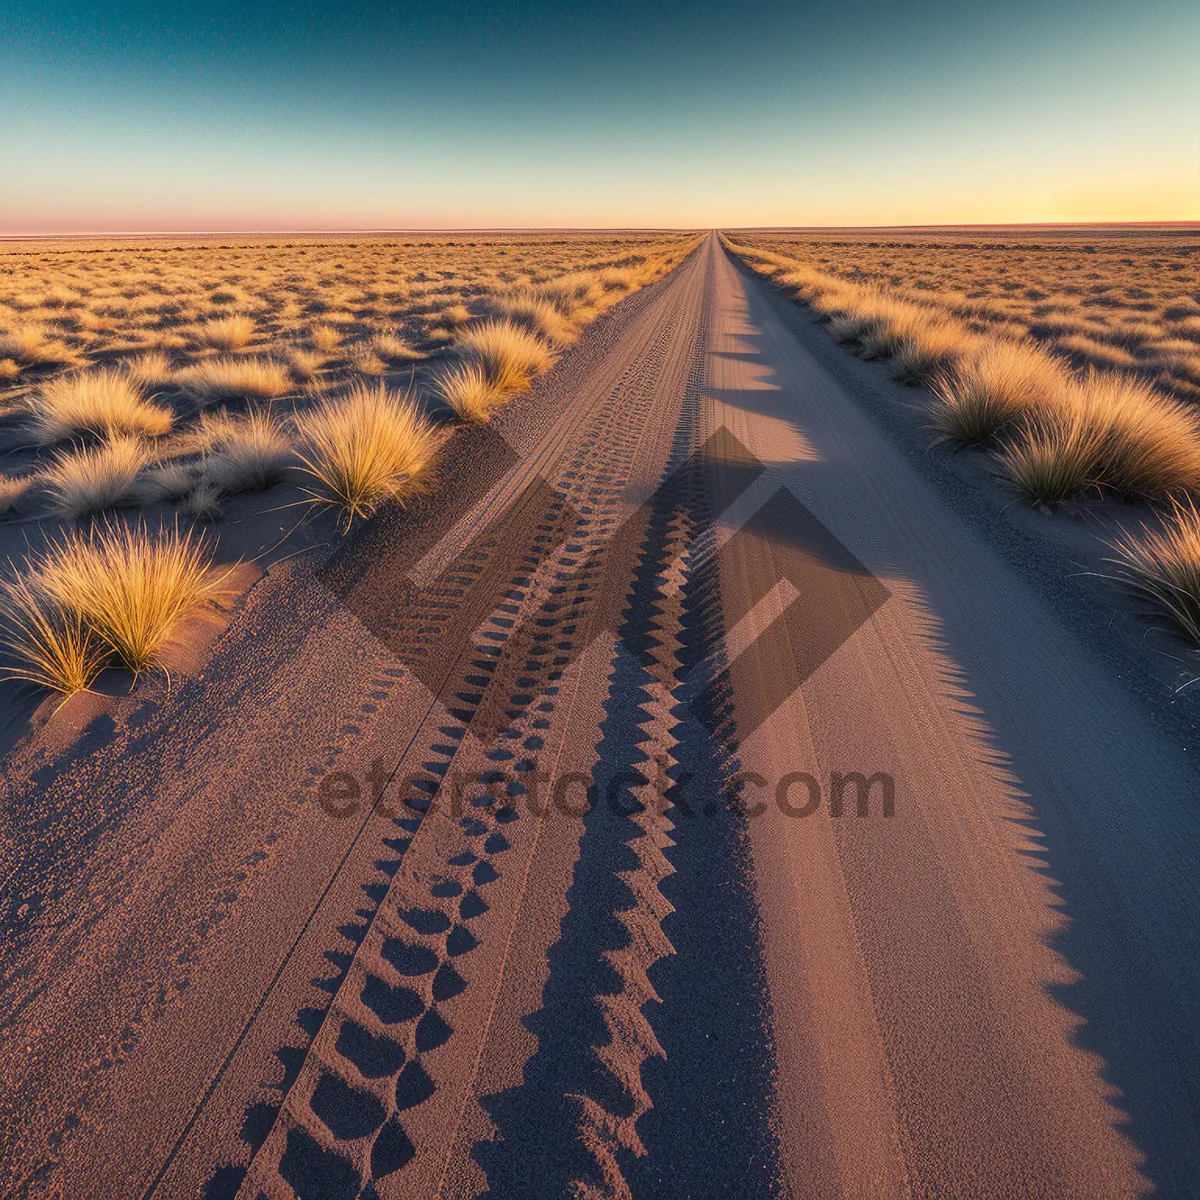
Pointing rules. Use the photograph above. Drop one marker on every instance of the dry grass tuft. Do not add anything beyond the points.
(1056, 456)
(52, 646)
(509, 354)
(394, 348)
(620, 279)
(236, 378)
(12, 489)
(166, 483)
(92, 480)
(454, 314)
(105, 402)
(539, 314)
(248, 455)
(204, 502)
(226, 333)
(128, 587)
(990, 390)
(925, 355)
(305, 364)
(151, 370)
(32, 346)
(572, 294)
(365, 447)
(1163, 566)
(325, 338)
(1097, 353)
(468, 392)
(1151, 444)
(9, 369)
(364, 360)
(1109, 431)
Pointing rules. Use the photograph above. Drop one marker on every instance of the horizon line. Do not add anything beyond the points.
(469, 229)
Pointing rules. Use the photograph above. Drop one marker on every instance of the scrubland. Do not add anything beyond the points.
(1073, 359)
(144, 385)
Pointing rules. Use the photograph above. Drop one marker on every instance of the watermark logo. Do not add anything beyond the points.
(796, 795)
(780, 557)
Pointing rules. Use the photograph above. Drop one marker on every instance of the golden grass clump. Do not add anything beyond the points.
(365, 447)
(236, 378)
(248, 454)
(31, 345)
(204, 502)
(619, 279)
(538, 313)
(468, 392)
(927, 352)
(890, 324)
(128, 587)
(921, 342)
(226, 333)
(394, 348)
(305, 364)
(1097, 353)
(365, 361)
(989, 390)
(1163, 566)
(104, 401)
(1056, 456)
(574, 291)
(97, 478)
(1106, 431)
(49, 643)
(152, 369)
(510, 355)
(454, 314)
(12, 489)
(1151, 443)
(166, 483)
(325, 338)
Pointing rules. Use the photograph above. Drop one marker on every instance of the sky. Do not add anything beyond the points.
(214, 115)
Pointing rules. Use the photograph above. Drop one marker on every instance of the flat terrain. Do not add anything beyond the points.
(205, 329)
(1124, 299)
(331, 916)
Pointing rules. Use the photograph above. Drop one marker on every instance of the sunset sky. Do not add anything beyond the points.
(154, 115)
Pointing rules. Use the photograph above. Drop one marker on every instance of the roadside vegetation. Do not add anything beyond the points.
(1081, 383)
(365, 447)
(144, 388)
(113, 596)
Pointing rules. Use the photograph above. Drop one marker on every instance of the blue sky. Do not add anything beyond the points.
(139, 116)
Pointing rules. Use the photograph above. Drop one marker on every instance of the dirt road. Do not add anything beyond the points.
(683, 802)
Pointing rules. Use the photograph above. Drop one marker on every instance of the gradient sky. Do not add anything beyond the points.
(156, 115)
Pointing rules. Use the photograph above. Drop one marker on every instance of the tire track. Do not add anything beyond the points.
(629, 1037)
(605, 1130)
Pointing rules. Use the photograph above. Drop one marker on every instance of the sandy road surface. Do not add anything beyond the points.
(687, 565)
